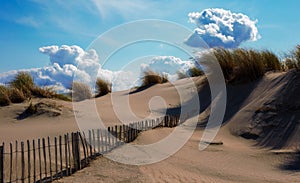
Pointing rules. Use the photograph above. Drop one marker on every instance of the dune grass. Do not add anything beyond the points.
(24, 83)
(195, 72)
(22, 87)
(4, 96)
(102, 87)
(242, 65)
(16, 96)
(80, 91)
(293, 61)
(151, 78)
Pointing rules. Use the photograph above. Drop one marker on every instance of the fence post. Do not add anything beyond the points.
(23, 163)
(29, 162)
(84, 149)
(1, 164)
(77, 151)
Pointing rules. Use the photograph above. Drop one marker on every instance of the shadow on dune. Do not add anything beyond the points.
(267, 110)
(292, 164)
(233, 105)
(139, 89)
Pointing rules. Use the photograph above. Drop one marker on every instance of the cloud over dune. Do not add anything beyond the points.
(221, 28)
(168, 65)
(69, 61)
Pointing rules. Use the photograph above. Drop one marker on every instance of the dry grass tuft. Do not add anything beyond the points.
(16, 96)
(151, 78)
(194, 72)
(23, 82)
(241, 65)
(293, 62)
(80, 91)
(103, 87)
(4, 96)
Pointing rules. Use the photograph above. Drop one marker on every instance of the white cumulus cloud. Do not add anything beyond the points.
(65, 63)
(221, 28)
(168, 65)
(72, 63)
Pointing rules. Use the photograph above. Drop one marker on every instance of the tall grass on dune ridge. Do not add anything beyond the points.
(23, 81)
(22, 87)
(80, 91)
(151, 78)
(296, 54)
(194, 72)
(103, 87)
(241, 65)
(16, 96)
(293, 61)
(4, 96)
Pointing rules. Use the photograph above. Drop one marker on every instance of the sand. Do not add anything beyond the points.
(237, 160)
(257, 142)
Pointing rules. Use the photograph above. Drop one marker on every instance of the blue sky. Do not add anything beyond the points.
(27, 25)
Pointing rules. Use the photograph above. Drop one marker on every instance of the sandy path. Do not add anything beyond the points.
(235, 161)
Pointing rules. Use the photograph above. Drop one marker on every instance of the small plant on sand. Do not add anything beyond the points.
(293, 60)
(194, 72)
(297, 56)
(150, 78)
(103, 87)
(80, 91)
(16, 96)
(23, 82)
(4, 96)
(290, 63)
(45, 92)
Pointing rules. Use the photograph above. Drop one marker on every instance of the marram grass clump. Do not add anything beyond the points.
(4, 96)
(103, 87)
(80, 91)
(151, 78)
(242, 65)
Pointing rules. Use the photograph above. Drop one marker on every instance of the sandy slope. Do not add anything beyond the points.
(238, 159)
(266, 112)
(14, 127)
(235, 161)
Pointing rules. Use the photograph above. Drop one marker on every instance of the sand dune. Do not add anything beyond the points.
(260, 133)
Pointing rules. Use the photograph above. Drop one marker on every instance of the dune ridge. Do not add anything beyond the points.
(257, 143)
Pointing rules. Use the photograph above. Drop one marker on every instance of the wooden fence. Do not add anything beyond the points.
(48, 159)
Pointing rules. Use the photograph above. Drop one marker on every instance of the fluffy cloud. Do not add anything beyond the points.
(65, 63)
(169, 65)
(69, 63)
(221, 28)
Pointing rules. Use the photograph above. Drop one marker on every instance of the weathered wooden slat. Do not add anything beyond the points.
(66, 155)
(94, 141)
(10, 161)
(87, 147)
(60, 156)
(29, 161)
(90, 144)
(55, 157)
(22, 163)
(77, 151)
(45, 157)
(84, 150)
(1, 164)
(34, 160)
(17, 178)
(69, 155)
(40, 159)
(98, 142)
